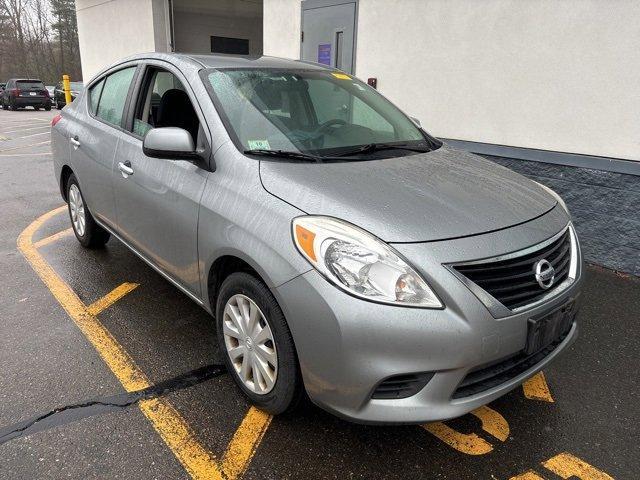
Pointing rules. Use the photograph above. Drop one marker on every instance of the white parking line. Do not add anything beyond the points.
(24, 121)
(29, 136)
(24, 146)
(31, 119)
(24, 154)
(24, 129)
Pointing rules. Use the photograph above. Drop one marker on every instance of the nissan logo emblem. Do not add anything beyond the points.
(545, 273)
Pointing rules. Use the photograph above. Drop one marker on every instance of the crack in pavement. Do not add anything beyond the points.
(73, 413)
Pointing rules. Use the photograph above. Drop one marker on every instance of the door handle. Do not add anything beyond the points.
(74, 141)
(125, 168)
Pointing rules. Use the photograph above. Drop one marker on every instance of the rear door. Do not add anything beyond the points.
(157, 205)
(94, 137)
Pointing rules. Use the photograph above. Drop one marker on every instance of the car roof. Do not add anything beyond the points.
(231, 61)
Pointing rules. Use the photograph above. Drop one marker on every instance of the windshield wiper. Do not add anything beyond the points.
(375, 147)
(284, 154)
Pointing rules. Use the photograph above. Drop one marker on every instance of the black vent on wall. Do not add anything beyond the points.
(234, 46)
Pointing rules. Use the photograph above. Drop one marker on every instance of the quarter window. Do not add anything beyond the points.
(94, 96)
(114, 94)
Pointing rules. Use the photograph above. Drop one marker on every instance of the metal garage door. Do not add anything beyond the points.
(328, 32)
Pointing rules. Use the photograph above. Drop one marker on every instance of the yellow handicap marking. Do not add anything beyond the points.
(491, 422)
(536, 388)
(170, 425)
(566, 466)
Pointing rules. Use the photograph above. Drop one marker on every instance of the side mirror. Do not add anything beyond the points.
(169, 142)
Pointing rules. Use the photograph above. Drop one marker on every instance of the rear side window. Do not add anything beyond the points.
(114, 94)
(94, 96)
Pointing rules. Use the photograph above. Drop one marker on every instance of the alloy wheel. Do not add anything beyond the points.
(76, 206)
(250, 344)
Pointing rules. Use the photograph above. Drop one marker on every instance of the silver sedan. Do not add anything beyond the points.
(341, 249)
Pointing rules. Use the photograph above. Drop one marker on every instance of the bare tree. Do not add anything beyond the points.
(39, 38)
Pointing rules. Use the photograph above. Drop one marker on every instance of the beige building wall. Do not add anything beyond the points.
(109, 30)
(542, 74)
(281, 27)
(193, 31)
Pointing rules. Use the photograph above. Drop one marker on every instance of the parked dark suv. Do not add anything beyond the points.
(58, 94)
(20, 93)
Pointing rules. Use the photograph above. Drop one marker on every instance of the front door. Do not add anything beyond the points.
(157, 203)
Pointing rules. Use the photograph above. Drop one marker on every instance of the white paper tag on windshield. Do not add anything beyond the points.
(259, 145)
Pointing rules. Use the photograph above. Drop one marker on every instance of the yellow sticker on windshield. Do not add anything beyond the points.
(341, 76)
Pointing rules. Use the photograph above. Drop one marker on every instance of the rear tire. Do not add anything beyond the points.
(13, 106)
(285, 389)
(87, 231)
(5, 106)
(48, 108)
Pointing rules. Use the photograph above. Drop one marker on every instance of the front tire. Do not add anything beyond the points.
(87, 231)
(255, 341)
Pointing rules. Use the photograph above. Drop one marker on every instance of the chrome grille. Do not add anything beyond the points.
(513, 281)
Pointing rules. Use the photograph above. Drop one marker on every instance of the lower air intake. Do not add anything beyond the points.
(401, 386)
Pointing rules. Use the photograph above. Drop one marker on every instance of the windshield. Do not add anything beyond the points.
(316, 112)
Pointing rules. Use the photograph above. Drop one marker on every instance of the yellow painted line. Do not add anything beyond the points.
(492, 422)
(53, 238)
(468, 443)
(536, 388)
(170, 425)
(25, 146)
(110, 298)
(530, 475)
(567, 466)
(2, 139)
(244, 443)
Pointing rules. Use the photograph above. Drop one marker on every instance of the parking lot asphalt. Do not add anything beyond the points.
(107, 371)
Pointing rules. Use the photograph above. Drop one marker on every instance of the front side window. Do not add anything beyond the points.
(315, 112)
(164, 102)
(114, 95)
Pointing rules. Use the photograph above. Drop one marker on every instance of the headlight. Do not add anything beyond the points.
(554, 195)
(359, 263)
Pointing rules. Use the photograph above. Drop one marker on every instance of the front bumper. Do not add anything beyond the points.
(347, 346)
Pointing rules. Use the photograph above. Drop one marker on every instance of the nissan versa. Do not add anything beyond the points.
(342, 250)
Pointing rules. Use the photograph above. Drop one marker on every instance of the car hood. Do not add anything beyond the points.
(437, 195)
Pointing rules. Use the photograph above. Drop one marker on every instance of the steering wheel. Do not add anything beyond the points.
(326, 125)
